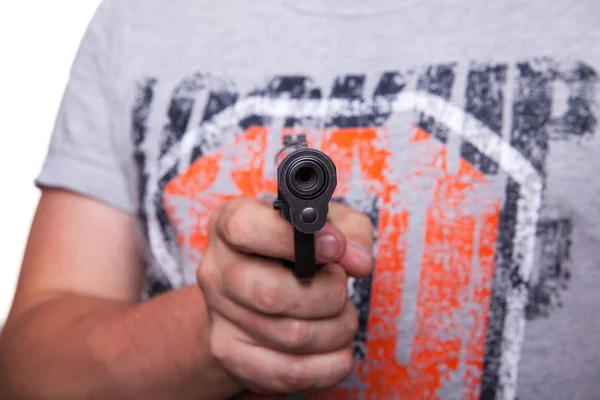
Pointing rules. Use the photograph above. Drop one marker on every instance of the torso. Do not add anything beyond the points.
(466, 131)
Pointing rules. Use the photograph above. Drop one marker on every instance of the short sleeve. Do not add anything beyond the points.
(84, 155)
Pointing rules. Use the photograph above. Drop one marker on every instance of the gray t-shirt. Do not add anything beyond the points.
(467, 130)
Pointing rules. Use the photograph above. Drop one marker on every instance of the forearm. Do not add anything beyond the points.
(75, 347)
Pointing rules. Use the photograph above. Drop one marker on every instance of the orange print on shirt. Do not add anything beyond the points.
(456, 263)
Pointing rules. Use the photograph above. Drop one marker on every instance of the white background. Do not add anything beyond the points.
(38, 40)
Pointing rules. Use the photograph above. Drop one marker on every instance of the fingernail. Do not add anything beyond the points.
(327, 247)
(361, 253)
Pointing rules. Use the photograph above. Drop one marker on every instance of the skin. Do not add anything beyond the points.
(78, 329)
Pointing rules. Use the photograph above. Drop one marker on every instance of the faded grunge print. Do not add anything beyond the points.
(449, 161)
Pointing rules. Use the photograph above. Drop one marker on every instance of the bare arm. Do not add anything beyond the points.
(77, 329)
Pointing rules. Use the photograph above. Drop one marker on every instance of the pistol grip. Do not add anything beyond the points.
(304, 255)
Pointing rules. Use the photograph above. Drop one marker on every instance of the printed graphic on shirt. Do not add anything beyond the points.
(449, 161)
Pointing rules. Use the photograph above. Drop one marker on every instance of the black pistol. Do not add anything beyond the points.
(306, 180)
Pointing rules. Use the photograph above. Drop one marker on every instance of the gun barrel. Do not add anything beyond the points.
(306, 180)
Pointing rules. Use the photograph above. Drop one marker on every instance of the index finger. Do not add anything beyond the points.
(252, 226)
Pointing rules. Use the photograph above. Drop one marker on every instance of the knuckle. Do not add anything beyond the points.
(220, 349)
(201, 275)
(234, 224)
(217, 348)
(213, 222)
(333, 294)
(266, 299)
(338, 296)
(347, 363)
(208, 279)
(339, 299)
(234, 277)
(352, 319)
(204, 275)
(296, 334)
(295, 377)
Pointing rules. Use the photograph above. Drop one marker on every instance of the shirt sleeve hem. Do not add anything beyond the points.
(87, 179)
